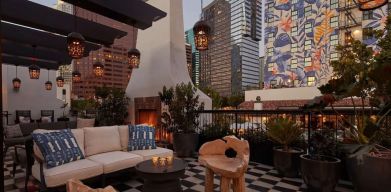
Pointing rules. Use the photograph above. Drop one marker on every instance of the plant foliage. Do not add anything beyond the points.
(113, 107)
(283, 131)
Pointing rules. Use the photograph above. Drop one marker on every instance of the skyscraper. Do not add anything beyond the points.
(114, 58)
(195, 56)
(301, 37)
(231, 65)
(189, 59)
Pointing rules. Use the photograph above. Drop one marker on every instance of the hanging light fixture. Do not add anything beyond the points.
(201, 33)
(34, 70)
(16, 82)
(60, 81)
(76, 76)
(48, 84)
(98, 69)
(134, 54)
(75, 41)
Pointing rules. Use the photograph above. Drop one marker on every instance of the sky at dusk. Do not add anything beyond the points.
(191, 10)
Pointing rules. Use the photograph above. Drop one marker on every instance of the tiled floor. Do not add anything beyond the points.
(259, 178)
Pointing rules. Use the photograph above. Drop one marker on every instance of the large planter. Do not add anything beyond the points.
(370, 173)
(81, 123)
(320, 176)
(287, 163)
(185, 144)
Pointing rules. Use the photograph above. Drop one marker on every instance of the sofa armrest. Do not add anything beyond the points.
(38, 159)
(41, 173)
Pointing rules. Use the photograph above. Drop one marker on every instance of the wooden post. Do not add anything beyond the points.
(209, 177)
(224, 184)
(239, 184)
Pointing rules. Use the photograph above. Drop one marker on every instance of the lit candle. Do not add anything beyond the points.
(155, 161)
(169, 160)
(162, 161)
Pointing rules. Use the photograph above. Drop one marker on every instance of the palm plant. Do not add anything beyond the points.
(283, 131)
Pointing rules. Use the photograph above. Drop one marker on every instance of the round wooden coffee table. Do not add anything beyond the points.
(162, 179)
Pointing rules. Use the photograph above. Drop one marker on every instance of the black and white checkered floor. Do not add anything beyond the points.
(259, 178)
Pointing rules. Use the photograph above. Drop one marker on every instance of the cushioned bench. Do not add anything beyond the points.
(105, 151)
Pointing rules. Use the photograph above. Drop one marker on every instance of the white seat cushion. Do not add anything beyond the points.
(124, 136)
(148, 154)
(57, 176)
(116, 160)
(99, 140)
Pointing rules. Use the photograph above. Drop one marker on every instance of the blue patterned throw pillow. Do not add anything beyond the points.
(141, 137)
(58, 148)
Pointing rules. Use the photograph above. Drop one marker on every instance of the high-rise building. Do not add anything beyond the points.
(195, 75)
(231, 64)
(189, 59)
(114, 58)
(301, 38)
(65, 7)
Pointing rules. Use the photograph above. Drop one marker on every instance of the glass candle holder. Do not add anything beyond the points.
(170, 159)
(162, 161)
(155, 161)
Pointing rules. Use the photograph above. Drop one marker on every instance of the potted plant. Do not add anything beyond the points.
(182, 117)
(285, 131)
(320, 168)
(83, 107)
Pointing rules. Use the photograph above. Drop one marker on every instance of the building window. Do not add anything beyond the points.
(333, 56)
(366, 15)
(367, 33)
(308, 44)
(273, 83)
(270, 66)
(348, 37)
(294, 64)
(269, 6)
(311, 81)
(334, 21)
(308, 28)
(293, 47)
(307, 62)
(333, 4)
(270, 19)
(334, 40)
(294, 31)
(294, 15)
(308, 11)
(294, 1)
(270, 36)
(270, 51)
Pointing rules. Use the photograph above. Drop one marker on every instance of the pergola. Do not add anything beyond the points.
(25, 24)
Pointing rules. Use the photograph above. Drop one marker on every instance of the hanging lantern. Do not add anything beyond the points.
(76, 45)
(60, 81)
(98, 69)
(366, 5)
(48, 85)
(134, 58)
(16, 83)
(201, 35)
(34, 71)
(76, 76)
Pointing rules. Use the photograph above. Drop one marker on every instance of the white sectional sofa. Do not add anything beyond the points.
(105, 151)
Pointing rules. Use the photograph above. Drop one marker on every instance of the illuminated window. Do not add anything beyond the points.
(334, 40)
(270, 51)
(308, 28)
(334, 4)
(307, 61)
(270, 66)
(294, 31)
(308, 44)
(294, 1)
(334, 21)
(308, 11)
(293, 63)
(366, 15)
(333, 56)
(293, 47)
(311, 81)
(294, 15)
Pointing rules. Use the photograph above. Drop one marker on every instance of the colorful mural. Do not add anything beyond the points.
(298, 40)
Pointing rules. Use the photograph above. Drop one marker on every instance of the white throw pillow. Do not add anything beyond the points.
(101, 139)
(46, 119)
(24, 119)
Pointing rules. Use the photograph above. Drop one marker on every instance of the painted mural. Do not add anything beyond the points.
(298, 40)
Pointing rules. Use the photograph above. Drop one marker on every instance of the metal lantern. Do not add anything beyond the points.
(34, 71)
(16, 83)
(134, 58)
(201, 35)
(76, 45)
(76, 76)
(60, 81)
(98, 69)
(48, 85)
(366, 5)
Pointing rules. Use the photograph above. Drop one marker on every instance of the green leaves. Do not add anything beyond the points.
(283, 131)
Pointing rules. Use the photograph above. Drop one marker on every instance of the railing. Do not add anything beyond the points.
(251, 125)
